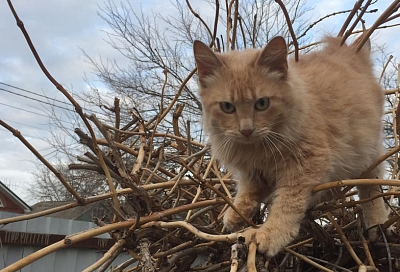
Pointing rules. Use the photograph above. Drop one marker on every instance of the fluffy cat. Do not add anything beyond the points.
(285, 127)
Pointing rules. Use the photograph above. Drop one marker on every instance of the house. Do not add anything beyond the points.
(10, 202)
(20, 239)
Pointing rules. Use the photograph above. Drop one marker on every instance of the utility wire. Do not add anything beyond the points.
(23, 110)
(24, 90)
(36, 113)
(38, 100)
(44, 96)
(20, 123)
(49, 99)
(25, 136)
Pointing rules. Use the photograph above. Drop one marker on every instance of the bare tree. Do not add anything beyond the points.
(48, 187)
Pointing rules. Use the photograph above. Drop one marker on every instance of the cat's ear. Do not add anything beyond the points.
(274, 56)
(208, 64)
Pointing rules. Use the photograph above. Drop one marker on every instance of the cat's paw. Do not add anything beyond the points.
(233, 221)
(262, 239)
(269, 240)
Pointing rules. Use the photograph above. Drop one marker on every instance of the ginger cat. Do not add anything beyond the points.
(285, 127)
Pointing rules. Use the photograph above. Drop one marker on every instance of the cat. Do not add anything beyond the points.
(285, 127)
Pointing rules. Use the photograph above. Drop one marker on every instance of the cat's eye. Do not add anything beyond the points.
(227, 107)
(262, 104)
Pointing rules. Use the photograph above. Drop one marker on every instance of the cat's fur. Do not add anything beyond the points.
(323, 123)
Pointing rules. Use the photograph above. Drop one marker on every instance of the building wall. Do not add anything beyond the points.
(22, 243)
(9, 206)
(63, 260)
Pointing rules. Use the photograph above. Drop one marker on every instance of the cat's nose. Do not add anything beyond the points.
(247, 132)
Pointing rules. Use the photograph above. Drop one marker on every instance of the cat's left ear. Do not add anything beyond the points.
(274, 56)
(208, 64)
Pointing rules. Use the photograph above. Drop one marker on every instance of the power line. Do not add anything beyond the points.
(44, 96)
(24, 90)
(25, 136)
(38, 100)
(46, 102)
(20, 123)
(17, 108)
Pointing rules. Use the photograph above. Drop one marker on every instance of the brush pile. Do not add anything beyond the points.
(168, 194)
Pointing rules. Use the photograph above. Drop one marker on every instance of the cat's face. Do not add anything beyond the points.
(245, 94)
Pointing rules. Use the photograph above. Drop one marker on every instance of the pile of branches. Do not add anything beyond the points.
(168, 196)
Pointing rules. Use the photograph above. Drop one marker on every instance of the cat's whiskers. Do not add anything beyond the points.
(296, 151)
(265, 141)
(225, 145)
(266, 137)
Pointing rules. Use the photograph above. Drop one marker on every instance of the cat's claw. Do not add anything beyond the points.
(268, 241)
(261, 239)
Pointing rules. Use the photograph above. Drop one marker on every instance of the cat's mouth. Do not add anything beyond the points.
(252, 139)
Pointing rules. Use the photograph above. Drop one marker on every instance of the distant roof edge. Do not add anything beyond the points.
(14, 198)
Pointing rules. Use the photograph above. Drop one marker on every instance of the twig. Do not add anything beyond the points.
(230, 238)
(140, 157)
(290, 26)
(60, 176)
(344, 239)
(384, 68)
(389, 255)
(112, 253)
(350, 30)
(307, 260)
(199, 17)
(229, 22)
(251, 257)
(357, 5)
(216, 19)
(354, 182)
(364, 242)
(377, 23)
(235, 24)
(234, 258)
(320, 20)
(146, 255)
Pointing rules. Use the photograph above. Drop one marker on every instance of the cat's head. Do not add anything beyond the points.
(246, 95)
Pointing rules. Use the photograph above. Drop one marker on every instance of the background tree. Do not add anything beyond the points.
(158, 50)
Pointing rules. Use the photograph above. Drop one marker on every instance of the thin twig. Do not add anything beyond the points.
(290, 27)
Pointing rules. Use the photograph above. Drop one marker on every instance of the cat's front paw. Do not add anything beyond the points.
(233, 221)
(269, 240)
(262, 239)
(247, 207)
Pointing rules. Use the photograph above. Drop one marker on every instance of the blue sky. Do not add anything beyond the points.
(59, 30)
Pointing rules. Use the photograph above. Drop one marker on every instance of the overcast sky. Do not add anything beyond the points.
(60, 29)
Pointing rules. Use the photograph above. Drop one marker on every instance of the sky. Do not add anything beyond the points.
(60, 31)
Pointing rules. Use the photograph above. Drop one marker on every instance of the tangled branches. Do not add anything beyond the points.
(168, 194)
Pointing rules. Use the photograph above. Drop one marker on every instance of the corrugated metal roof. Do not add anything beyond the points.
(64, 260)
(49, 225)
